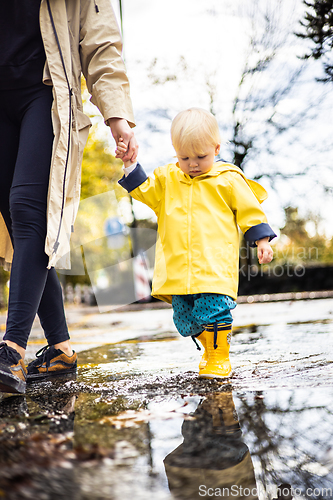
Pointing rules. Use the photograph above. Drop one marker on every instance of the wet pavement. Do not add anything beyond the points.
(137, 423)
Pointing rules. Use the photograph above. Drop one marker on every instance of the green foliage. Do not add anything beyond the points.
(318, 24)
(296, 246)
(100, 195)
(4, 278)
(100, 169)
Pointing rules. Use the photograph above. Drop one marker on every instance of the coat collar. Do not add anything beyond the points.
(220, 167)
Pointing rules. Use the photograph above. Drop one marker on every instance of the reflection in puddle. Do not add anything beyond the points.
(213, 457)
(145, 434)
(224, 444)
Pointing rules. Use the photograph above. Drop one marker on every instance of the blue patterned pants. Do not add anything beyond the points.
(192, 312)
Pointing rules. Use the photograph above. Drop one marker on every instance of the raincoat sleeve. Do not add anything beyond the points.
(248, 213)
(101, 61)
(148, 190)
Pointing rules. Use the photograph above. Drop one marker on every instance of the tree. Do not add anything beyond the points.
(318, 26)
(4, 277)
(100, 169)
(270, 78)
(100, 197)
(272, 112)
(301, 241)
(271, 104)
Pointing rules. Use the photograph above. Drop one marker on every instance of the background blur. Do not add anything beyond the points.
(263, 68)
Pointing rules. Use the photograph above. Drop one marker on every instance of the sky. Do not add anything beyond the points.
(172, 49)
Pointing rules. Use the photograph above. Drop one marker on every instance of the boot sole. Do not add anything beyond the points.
(212, 375)
(35, 377)
(11, 384)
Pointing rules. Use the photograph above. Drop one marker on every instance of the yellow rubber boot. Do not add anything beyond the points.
(217, 348)
(204, 359)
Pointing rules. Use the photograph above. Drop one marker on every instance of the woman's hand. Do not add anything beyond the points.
(120, 129)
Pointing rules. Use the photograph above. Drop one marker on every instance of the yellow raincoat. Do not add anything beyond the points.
(198, 218)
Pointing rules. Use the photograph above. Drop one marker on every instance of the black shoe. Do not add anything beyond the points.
(51, 362)
(13, 373)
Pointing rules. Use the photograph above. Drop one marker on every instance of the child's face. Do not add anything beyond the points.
(198, 165)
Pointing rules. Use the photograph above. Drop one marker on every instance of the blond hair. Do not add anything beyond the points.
(193, 130)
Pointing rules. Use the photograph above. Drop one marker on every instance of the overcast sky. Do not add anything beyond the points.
(210, 37)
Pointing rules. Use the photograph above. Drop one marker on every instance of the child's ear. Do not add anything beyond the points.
(217, 149)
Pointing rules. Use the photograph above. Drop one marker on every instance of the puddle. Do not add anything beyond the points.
(137, 423)
(263, 357)
(97, 446)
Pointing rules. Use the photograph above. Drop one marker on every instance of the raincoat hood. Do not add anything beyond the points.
(220, 167)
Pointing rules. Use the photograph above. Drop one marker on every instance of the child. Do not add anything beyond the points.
(199, 205)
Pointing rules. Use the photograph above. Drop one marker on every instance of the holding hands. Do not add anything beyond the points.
(121, 153)
(122, 133)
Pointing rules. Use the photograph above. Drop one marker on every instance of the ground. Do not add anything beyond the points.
(138, 423)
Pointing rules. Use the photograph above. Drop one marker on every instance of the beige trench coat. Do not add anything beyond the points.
(80, 36)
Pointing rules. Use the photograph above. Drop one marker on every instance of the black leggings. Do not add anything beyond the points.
(26, 138)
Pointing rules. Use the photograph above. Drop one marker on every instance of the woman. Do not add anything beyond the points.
(45, 45)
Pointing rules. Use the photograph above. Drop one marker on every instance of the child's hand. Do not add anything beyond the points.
(264, 251)
(121, 148)
(121, 151)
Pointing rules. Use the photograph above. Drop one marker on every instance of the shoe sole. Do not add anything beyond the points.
(34, 377)
(11, 384)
